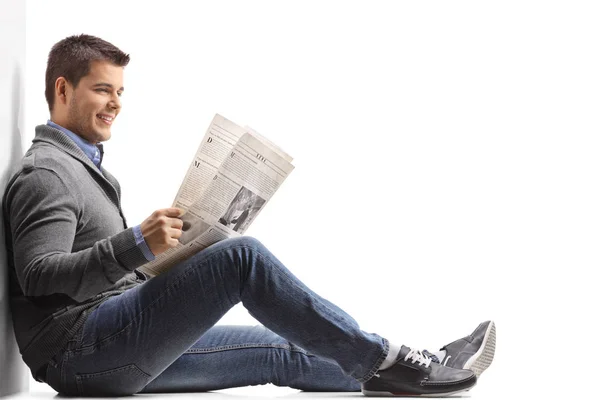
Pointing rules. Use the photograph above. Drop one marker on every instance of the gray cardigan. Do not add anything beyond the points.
(68, 245)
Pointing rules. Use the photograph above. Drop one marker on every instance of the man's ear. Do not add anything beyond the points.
(62, 90)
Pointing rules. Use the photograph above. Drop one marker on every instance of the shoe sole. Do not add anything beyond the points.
(372, 393)
(485, 355)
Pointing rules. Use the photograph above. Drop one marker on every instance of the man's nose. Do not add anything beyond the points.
(115, 103)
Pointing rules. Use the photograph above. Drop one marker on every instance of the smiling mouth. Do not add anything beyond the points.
(106, 119)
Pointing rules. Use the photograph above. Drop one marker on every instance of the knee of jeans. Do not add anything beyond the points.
(249, 241)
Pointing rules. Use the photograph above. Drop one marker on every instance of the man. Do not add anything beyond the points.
(241, 219)
(88, 323)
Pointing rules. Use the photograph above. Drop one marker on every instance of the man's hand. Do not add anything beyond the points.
(162, 229)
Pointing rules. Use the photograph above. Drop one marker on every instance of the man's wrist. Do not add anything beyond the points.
(141, 243)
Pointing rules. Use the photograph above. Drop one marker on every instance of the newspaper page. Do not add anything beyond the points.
(249, 175)
(271, 145)
(220, 137)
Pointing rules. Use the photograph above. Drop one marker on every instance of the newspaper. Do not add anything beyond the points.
(233, 175)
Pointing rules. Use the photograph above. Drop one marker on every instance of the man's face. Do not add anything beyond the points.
(95, 103)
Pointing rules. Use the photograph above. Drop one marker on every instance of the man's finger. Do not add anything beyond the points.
(175, 233)
(176, 223)
(174, 212)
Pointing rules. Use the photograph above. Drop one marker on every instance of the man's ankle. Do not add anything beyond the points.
(391, 356)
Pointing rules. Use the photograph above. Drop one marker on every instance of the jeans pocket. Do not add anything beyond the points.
(122, 381)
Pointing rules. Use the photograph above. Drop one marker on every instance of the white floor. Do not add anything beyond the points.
(228, 394)
(264, 391)
(43, 392)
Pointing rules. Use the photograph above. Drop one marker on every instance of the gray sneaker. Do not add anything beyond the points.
(474, 352)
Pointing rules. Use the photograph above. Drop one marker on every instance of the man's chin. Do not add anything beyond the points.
(99, 139)
(102, 133)
(103, 136)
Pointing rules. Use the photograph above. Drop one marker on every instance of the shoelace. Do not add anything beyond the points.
(433, 357)
(418, 356)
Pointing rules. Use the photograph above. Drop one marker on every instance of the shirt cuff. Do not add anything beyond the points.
(141, 243)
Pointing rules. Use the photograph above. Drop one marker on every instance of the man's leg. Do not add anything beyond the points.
(133, 337)
(264, 356)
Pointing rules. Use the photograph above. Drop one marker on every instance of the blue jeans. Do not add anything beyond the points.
(161, 336)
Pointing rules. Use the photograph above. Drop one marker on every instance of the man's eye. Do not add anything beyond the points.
(102, 90)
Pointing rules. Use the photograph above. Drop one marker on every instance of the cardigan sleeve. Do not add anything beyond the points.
(43, 218)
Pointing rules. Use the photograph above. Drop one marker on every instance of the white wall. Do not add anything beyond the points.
(13, 372)
(446, 153)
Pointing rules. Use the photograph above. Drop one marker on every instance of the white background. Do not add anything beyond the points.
(446, 155)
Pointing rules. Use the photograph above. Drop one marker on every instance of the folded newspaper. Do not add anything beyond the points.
(233, 175)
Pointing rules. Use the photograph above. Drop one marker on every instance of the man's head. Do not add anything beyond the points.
(84, 82)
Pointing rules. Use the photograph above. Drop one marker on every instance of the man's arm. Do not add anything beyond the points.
(43, 220)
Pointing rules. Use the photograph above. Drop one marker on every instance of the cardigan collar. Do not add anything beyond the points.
(93, 151)
(57, 138)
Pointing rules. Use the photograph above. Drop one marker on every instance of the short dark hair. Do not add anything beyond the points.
(71, 58)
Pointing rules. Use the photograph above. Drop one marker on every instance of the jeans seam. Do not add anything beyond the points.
(282, 273)
(62, 376)
(244, 346)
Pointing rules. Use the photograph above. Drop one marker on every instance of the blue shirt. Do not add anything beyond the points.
(95, 154)
(90, 150)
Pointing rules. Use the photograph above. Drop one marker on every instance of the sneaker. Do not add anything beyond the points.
(474, 352)
(414, 374)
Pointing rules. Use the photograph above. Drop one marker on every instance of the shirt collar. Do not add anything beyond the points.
(94, 152)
